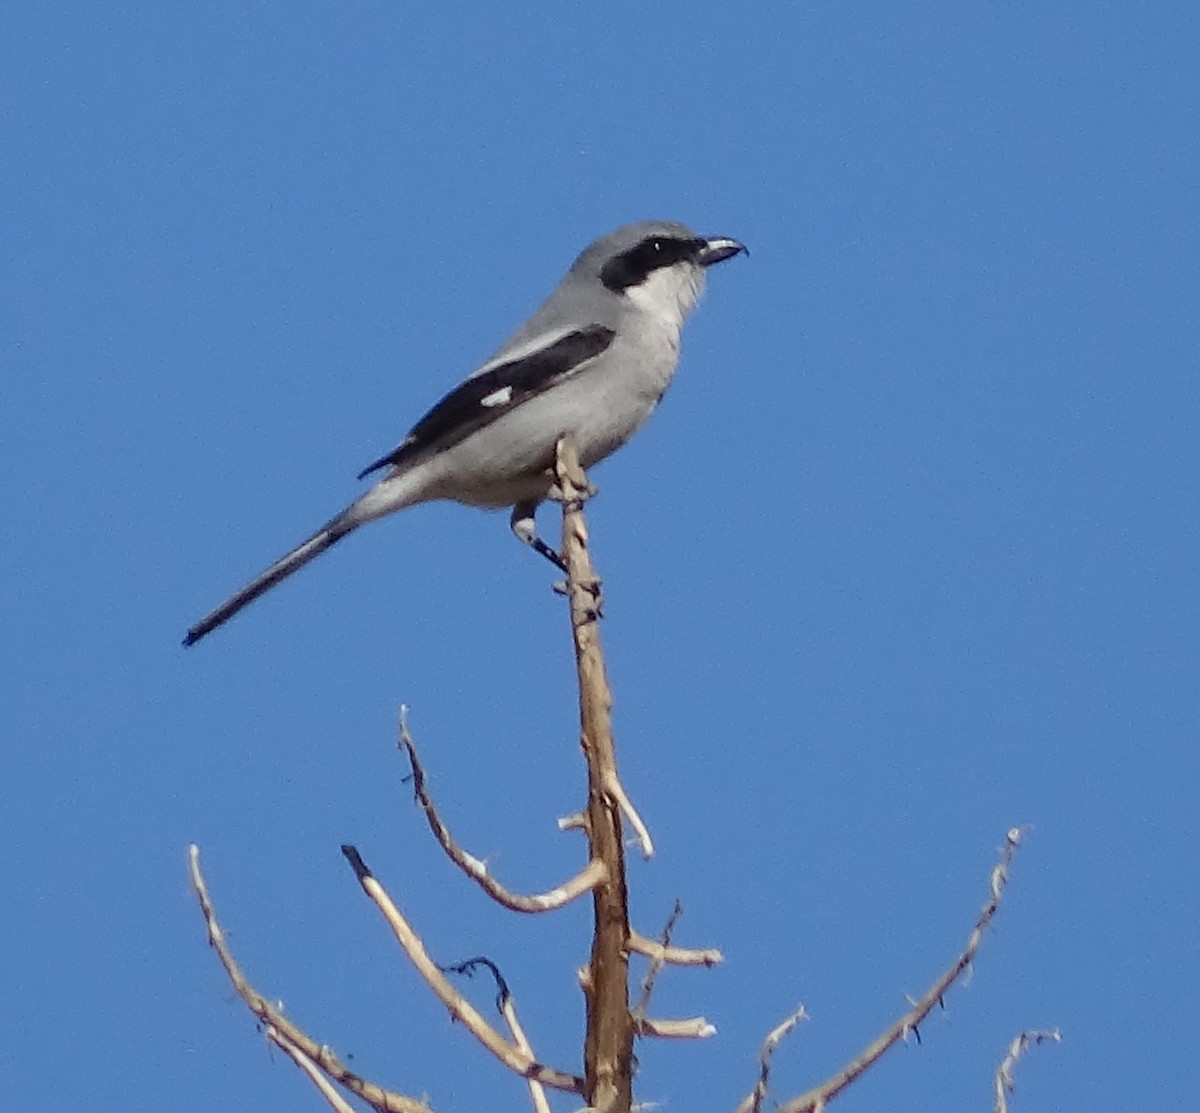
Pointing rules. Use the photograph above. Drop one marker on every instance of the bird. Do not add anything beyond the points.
(592, 362)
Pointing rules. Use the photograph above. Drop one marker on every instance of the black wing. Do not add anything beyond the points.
(482, 399)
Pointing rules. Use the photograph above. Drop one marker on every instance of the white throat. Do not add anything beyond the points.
(669, 294)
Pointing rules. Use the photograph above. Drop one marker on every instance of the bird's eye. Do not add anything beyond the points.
(657, 246)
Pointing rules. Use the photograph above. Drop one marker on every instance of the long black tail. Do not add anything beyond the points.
(326, 537)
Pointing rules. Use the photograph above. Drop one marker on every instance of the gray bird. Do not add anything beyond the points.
(593, 362)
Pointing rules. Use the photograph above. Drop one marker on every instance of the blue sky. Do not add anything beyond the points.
(907, 556)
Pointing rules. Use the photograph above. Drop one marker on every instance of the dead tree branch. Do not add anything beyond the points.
(752, 1102)
(512, 1056)
(508, 1009)
(816, 1099)
(657, 962)
(324, 1087)
(273, 1020)
(1005, 1082)
(608, 1044)
(690, 1028)
(611, 1025)
(687, 1028)
(673, 956)
(475, 868)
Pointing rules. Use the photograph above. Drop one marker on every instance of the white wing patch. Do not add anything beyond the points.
(499, 397)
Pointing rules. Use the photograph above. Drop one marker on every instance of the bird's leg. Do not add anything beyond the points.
(524, 526)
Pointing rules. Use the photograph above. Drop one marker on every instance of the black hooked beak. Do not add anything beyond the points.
(718, 249)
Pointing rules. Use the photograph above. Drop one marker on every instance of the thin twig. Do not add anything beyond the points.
(1005, 1082)
(583, 882)
(386, 1101)
(517, 1060)
(816, 1098)
(674, 956)
(657, 963)
(338, 1103)
(617, 791)
(689, 1028)
(537, 1092)
(752, 1102)
(695, 1027)
(507, 1006)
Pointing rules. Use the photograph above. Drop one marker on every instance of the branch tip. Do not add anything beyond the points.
(815, 1099)
(288, 1036)
(1005, 1081)
(356, 863)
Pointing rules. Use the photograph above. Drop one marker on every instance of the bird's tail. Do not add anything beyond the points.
(326, 537)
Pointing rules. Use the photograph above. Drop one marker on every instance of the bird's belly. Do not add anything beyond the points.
(510, 460)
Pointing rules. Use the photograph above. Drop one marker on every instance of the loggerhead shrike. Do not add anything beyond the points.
(592, 362)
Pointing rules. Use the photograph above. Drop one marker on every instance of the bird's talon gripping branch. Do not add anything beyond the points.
(524, 527)
(540, 546)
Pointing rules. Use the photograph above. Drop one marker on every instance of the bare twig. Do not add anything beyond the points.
(608, 1043)
(817, 1098)
(460, 1008)
(324, 1087)
(656, 963)
(508, 1009)
(473, 867)
(1005, 1082)
(616, 791)
(695, 1027)
(673, 956)
(537, 1092)
(752, 1102)
(690, 1028)
(387, 1101)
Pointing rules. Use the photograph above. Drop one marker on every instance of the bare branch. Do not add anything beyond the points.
(517, 1060)
(694, 1028)
(816, 1098)
(691, 1028)
(608, 1043)
(752, 1102)
(386, 1101)
(324, 1087)
(537, 1092)
(476, 869)
(656, 963)
(1005, 1082)
(617, 792)
(674, 956)
(508, 1009)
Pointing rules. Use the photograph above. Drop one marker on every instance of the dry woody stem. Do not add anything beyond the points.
(657, 962)
(608, 1043)
(816, 1099)
(313, 1072)
(671, 955)
(1005, 1081)
(606, 1083)
(273, 1020)
(752, 1102)
(509, 1053)
(475, 868)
